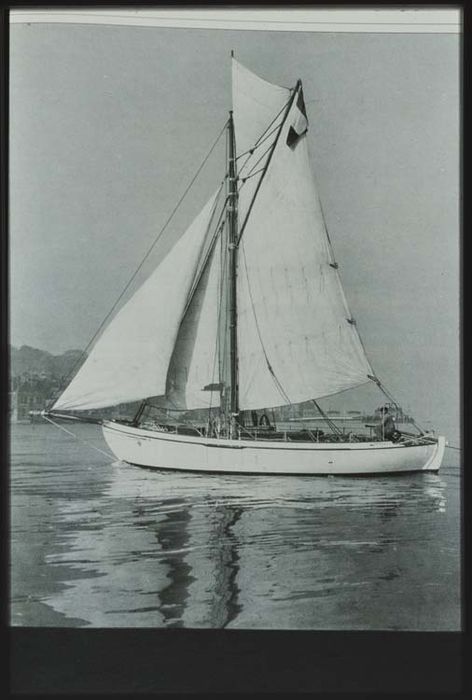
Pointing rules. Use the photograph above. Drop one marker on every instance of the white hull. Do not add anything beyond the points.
(162, 450)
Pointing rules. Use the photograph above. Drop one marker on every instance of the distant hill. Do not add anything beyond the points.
(28, 359)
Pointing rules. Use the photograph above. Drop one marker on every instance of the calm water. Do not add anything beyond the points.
(96, 542)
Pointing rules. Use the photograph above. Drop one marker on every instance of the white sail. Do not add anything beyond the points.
(258, 110)
(256, 103)
(194, 362)
(130, 359)
(296, 338)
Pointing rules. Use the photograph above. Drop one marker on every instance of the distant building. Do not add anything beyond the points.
(33, 389)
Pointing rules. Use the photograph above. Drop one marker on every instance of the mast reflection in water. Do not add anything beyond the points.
(173, 534)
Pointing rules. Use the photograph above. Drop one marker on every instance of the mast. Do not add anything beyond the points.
(232, 210)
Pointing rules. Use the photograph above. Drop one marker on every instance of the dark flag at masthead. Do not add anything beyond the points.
(299, 125)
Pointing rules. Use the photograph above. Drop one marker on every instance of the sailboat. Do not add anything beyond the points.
(244, 314)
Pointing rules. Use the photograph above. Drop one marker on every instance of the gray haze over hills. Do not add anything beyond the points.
(35, 361)
(109, 124)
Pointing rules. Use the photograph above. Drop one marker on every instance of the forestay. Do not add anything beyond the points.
(296, 338)
(131, 358)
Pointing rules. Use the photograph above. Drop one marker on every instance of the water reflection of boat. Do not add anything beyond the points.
(218, 554)
(225, 571)
(203, 492)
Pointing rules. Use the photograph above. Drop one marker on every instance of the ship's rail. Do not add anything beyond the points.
(272, 434)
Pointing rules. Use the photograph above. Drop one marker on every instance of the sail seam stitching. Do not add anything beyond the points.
(278, 385)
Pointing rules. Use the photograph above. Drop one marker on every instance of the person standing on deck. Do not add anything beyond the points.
(386, 430)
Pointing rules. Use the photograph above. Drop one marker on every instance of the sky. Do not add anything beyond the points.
(108, 125)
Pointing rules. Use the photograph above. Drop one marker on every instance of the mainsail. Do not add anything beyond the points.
(296, 337)
(130, 359)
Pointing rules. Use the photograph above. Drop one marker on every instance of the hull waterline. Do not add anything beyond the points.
(161, 450)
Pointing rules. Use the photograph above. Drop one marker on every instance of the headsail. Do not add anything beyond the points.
(130, 359)
(296, 338)
(193, 367)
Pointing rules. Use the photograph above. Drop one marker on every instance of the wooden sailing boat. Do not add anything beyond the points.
(245, 312)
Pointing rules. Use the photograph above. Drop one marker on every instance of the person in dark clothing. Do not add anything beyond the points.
(386, 430)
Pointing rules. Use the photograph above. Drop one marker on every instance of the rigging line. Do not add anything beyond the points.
(250, 152)
(259, 140)
(243, 179)
(331, 424)
(248, 159)
(254, 434)
(391, 398)
(264, 136)
(223, 334)
(175, 410)
(279, 126)
(287, 112)
(158, 237)
(215, 351)
(207, 256)
(223, 256)
(203, 255)
(453, 447)
(139, 412)
(249, 176)
(182, 418)
(278, 385)
(387, 393)
(61, 427)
